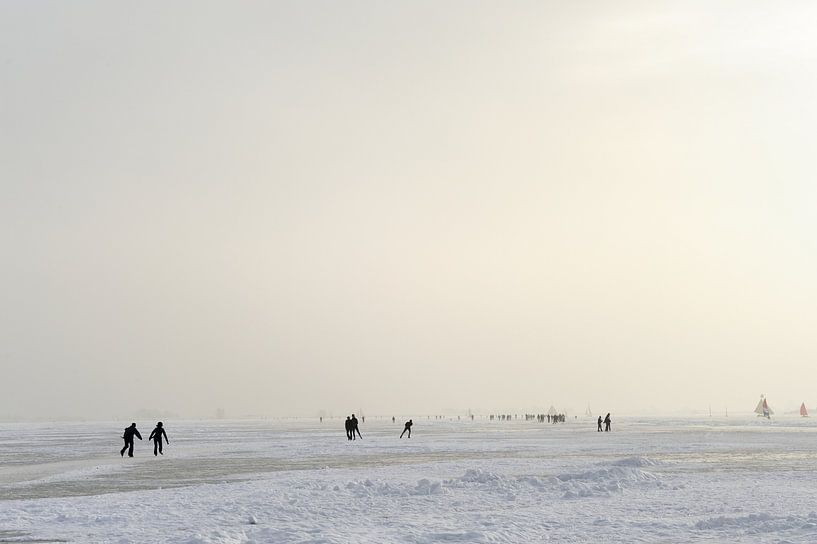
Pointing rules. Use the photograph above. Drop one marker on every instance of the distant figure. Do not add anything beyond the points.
(355, 428)
(607, 423)
(392, 419)
(348, 428)
(128, 436)
(156, 435)
(599, 425)
(363, 419)
(321, 419)
(407, 429)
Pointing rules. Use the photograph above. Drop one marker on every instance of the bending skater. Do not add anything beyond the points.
(128, 436)
(156, 436)
(407, 429)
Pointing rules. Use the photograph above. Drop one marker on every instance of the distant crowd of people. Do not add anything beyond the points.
(155, 436)
(540, 418)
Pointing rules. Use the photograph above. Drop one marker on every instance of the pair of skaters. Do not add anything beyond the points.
(606, 423)
(352, 428)
(156, 436)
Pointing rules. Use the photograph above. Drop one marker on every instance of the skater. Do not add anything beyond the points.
(392, 419)
(156, 436)
(128, 436)
(607, 423)
(348, 428)
(407, 428)
(355, 428)
(599, 425)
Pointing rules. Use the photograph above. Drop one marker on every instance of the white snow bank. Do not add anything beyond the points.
(479, 476)
(368, 488)
(217, 537)
(465, 483)
(465, 536)
(637, 461)
(605, 481)
(598, 482)
(758, 523)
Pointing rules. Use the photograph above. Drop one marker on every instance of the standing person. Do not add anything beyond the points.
(407, 428)
(156, 435)
(392, 419)
(355, 428)
(348, 428)
(128, 436)
(599, 430)
(607, 423)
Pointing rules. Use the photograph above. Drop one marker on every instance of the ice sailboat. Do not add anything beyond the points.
(803, 411)
(588, 412)
(762, 409)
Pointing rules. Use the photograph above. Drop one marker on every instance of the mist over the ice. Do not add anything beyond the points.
(281, 208)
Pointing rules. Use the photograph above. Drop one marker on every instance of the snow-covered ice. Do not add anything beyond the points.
(650, 480)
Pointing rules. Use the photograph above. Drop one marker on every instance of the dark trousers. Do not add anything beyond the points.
(157, 445)
(128, 446)
(406, 430)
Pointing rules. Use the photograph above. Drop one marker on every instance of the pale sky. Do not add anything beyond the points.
(406, 207)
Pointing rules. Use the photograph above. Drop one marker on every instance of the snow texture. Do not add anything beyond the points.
(455, 481)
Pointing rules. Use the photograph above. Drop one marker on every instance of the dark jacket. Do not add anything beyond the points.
(156, 434)
(129, 432)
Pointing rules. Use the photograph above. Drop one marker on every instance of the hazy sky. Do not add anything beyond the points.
(406, 207)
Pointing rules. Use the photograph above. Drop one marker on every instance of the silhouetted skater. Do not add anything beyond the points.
(392, 419)
(156, 435)
(407, 429)
(355, 428)
(607, 423)
(128, 436)
(599, 430)
(348, 428)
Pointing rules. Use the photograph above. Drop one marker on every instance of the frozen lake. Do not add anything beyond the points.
(650, 480)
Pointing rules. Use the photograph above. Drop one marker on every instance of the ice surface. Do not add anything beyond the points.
(736, 480)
